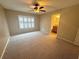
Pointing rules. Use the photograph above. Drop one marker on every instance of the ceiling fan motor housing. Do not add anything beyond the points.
(36, 4)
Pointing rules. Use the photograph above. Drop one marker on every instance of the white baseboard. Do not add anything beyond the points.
(4, 48)
(65, 40)
(68, 41)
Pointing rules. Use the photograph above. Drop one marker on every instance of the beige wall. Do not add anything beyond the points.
(12, 19)
(45, 21)
(69, 22)
(4, 34)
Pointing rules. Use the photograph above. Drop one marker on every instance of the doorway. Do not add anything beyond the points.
(55, 18)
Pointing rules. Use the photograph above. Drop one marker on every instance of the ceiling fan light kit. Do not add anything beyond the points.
(38, 8)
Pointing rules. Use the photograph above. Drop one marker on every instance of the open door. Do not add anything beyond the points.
(55, 18)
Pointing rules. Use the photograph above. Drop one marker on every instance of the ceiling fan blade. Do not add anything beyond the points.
(43, 10)
(36, 8)
(41, 7)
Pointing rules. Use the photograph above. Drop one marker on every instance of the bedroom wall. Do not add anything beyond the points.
(45, 21)
(68, 25)
(4, 34)
(13, 23)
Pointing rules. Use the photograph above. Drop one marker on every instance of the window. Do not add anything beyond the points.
(26, 22)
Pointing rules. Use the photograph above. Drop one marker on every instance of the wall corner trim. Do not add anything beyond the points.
(4, 48)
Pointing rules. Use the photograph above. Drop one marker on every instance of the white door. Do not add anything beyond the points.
(77, 38)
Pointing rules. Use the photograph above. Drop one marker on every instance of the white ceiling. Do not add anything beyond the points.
(25, 5)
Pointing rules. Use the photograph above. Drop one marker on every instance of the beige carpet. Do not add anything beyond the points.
(36, 45)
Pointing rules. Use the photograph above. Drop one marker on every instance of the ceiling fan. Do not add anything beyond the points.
(38, 8)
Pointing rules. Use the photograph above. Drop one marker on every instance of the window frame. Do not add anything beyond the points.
(26, 24)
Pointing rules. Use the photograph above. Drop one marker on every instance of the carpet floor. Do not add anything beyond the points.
(36, 45)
